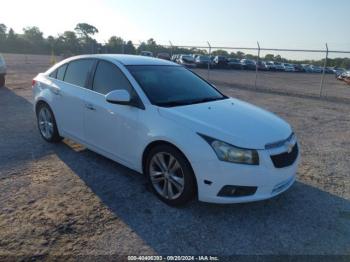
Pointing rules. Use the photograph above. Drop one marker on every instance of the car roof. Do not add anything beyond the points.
(127, 59)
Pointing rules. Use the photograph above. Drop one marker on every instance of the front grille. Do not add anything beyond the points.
(285, 159)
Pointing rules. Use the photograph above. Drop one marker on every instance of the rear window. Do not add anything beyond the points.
(60, 72)
(53, 74)
(78, 71)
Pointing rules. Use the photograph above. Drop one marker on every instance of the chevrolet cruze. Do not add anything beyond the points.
(161, 119)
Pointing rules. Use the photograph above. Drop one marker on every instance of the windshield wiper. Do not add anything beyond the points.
(208, 99)
(189, 102)
(173, 103)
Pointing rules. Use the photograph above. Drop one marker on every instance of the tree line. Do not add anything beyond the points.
(81, 41)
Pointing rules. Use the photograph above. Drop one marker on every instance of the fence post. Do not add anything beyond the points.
(171, 49)
(208, 77)
(256, 66)
(324, 71)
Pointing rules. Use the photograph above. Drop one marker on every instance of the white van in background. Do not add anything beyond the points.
(2, 71)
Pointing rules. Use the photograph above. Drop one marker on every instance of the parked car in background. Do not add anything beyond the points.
(187, 60)
(298, 68)
(3, 70)
(261, 66)
(288, 67)
(248, 64)
(338, 71)
(278, 66)
(346, 78)
(234, 63)
(164, 56)
(174, 58)
(162, 120)
(328, 70)
(345, 75)
(270, 66)
(146, 53)
(202, 61)
(307, 68)
(316, 69)
(220, 61)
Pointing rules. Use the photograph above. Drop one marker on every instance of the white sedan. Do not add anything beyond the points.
(161, 119)
(288, 67)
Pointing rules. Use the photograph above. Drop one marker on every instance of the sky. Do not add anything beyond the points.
(307, 24)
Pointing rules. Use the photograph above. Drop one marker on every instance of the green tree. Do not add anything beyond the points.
(116, 45)
(85, 30)
(130, 48)
(69, 43)
(3, 30)
(33, 35)
(219, 52)
(240, 54)
(269, 57)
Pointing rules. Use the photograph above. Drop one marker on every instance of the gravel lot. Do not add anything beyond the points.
(300, 84)
(64, 199)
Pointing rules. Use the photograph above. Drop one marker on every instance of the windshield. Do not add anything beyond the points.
(173, 85)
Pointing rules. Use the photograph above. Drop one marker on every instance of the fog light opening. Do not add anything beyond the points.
(237, 191)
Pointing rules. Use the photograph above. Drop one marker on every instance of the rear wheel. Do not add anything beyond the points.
(47, 124)
(170, 175)
(2, 80)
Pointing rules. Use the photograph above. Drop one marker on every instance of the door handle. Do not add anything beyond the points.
(90, 107)
(56, 91)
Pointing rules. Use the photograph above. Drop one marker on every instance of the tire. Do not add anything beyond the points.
(2, 80)
(179, 175)
(47, 124)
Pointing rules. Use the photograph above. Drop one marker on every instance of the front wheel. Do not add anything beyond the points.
(2, 80)
(170, 175)
(47, 124)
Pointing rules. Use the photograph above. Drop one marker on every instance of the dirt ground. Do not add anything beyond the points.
(301, 84)
(66, 200)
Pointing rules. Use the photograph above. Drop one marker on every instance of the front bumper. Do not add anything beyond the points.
(212, 176)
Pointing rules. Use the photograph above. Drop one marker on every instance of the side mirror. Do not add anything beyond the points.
(121, 97)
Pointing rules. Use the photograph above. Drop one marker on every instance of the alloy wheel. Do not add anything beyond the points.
(166, 175)
(46, 123)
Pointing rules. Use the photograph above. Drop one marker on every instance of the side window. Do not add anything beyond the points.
(78, 71)
(60, 72)
(53, 74)
(108, 77)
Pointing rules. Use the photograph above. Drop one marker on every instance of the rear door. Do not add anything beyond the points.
(73, 90)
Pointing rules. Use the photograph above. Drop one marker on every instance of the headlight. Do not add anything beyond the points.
(230, 153)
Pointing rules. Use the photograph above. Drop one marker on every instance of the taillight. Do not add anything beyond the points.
(33, 82)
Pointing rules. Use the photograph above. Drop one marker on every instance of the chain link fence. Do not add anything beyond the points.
(316, 79)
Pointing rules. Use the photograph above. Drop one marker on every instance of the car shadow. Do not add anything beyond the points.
(20, 141)
(304, 220)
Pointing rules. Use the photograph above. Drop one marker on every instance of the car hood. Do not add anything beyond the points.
(231, 120)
